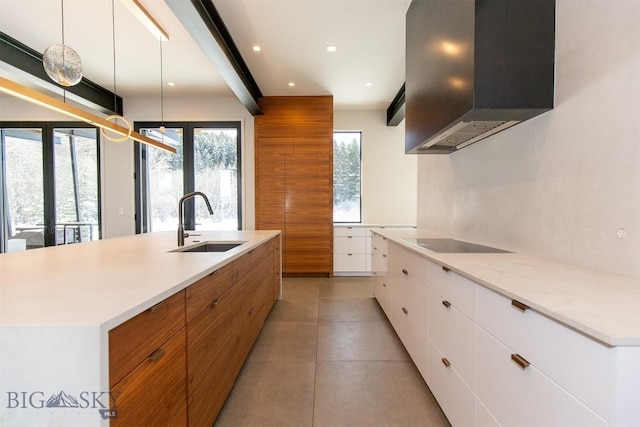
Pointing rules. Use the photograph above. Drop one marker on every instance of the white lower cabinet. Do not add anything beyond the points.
(453, 395)
(490, 360)
(523, 396)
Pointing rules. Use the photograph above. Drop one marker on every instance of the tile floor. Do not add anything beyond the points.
(327, 356)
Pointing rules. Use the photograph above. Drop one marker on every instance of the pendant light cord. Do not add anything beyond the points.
(161, 88)
(113, 40)
(64, 91)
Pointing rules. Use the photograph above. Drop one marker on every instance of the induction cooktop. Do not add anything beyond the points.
(452, 246)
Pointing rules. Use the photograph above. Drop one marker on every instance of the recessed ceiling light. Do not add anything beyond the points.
(291, 84)
(332, 48)
(256, 48)
(368, 84)
(171, 84)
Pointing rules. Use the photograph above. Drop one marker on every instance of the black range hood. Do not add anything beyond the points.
(475, 68)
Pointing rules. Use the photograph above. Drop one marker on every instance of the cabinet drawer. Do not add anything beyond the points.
(409, 262)
(349, 231)
(349, 244)
(133, 341)
(378, 262)
(381, 289)
(454, 396)
(211, 343)
(208, 289)
(410, 302)
(155, 392)
(458, 290)
(350, 262)
(579, 364)
(454, 334)
(247, 262)
(378, 244)
(525, 396)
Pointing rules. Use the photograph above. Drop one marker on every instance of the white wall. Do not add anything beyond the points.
(561, 185)
(388, 175)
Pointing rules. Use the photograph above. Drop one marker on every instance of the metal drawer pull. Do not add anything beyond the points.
(384, 255)
(446, 362)
(520, 360)
(446, 303)
(155, 307)
(519, 305)
(384, 284)
(215, 303)
(405, 271)
(447, 269)
(349, 237)
(156, 355)
(404, 310)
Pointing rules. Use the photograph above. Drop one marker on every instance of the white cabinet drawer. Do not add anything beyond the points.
(525, 397)
(455, 336)
(455, 398)
(349, 245)
(378, 263)
(350, 262)
(579, 364)
(409, 262)
(458, 290)
(411, 302)
(344, 230)
(381, 289)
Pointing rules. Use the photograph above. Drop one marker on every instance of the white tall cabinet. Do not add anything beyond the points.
(490, 359)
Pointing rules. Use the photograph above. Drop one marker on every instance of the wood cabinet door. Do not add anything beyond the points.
(155, 392)
(211, 342)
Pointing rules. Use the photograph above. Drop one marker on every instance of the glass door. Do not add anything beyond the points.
(22, 192)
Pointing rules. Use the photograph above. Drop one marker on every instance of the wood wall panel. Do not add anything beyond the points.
(294, 179)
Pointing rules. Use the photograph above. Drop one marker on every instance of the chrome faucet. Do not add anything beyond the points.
(181, 233)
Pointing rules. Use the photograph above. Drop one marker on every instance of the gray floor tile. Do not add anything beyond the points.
(295, 341)
(301, 287)
(346, 287)
(350, 310)
(294, 310)
(358, 341)
(271, 394)
(373, 394)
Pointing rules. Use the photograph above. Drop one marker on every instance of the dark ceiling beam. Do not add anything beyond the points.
(26, 63)
(203, 22)
(396, 110)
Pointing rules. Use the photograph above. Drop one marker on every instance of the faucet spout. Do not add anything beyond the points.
(181, 233)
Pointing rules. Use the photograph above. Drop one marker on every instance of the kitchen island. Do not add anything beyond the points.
(60, 305)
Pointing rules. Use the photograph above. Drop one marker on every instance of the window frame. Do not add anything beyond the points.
(360, 189)
(48, 174)
(142, 219)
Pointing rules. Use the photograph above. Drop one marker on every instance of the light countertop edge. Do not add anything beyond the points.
(601, 305)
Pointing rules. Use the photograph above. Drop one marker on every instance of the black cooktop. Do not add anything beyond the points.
(452, 246)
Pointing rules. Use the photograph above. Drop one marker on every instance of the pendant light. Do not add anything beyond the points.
(61, 63)
(115, 117)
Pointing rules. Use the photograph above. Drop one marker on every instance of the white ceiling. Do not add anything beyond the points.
(293, 34)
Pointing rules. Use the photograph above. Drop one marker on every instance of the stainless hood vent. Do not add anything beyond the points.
(475, 68)
(463, 134)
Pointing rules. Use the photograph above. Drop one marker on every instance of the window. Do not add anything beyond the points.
(207, 160)
(347, 177)
(49, 185)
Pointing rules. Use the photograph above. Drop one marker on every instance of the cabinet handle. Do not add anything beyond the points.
(446, 362)
(446, 303)
(520, 360)
(215, 303)
(384, 284)
(156, 355)
(384, 255)
(349, 254)
(155, 307)
(405, 271)
(446, 269)
(519, 305)
(375, 249)
(404, 310)
(349, 237)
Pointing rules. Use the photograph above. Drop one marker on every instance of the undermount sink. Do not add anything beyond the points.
(211, 247)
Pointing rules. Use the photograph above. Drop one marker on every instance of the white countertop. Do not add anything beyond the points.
(106, 282)
(602, 305)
